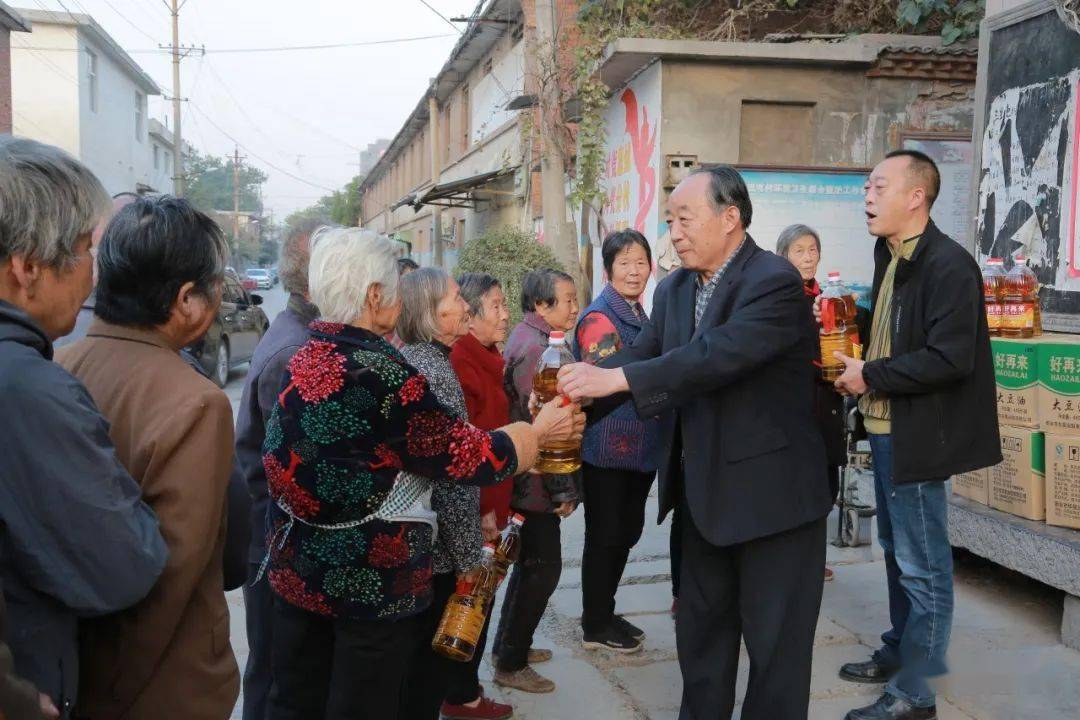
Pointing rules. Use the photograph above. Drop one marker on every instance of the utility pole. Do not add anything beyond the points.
(558, 233)
(178, 52)
(236, 198)
(436, 172)
(178, 143)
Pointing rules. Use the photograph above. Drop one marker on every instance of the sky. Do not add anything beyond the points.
(308, 113)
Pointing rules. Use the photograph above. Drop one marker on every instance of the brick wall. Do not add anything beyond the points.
(5, 81)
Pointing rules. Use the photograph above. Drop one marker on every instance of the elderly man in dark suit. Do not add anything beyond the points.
(729, 355)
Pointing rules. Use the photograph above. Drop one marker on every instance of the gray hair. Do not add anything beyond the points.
(345, 263)
(792, 233)
(474, 287)
(421, 292)
(48, 200)
(293, 262)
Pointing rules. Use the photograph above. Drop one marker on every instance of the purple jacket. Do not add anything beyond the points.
(527, 342)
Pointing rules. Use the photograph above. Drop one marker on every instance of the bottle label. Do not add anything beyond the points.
(994, 313)
(1018, 316)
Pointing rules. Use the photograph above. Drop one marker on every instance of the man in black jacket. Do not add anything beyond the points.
(927, 397)
(76, 539)
(729, 351)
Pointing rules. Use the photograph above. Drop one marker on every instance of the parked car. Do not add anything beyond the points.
(262, 277)
(274, 275)
(237, 329)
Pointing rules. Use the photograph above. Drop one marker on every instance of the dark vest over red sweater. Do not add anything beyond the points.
(480, 371)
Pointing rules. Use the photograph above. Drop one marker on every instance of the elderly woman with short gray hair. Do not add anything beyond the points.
(801, 246)
(434, 317)
(351, 535)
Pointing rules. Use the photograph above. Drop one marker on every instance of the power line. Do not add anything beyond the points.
(286, 48)
(125, 18)
(261, 159)
(445, 19)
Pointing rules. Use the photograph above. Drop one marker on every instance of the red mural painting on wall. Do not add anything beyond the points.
(641, 145)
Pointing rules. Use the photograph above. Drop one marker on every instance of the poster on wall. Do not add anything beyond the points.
(953, 156)
(829, 202)
(631, 178)
(1030, 159)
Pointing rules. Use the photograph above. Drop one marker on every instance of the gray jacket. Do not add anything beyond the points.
(76, 540)
(457, 548)
(286, 335)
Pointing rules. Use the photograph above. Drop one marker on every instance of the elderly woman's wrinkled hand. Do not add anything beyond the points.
(559, 421)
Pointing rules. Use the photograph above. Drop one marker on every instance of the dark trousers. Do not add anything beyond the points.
(463, 685)
(532, 581)
(766, 592)
(675, 549)
(338, 669)
(431, 676)
(259, 618)
(614, 518)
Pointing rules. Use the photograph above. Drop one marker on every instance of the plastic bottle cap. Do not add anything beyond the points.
(995, 261)
(518, 519)
(834, 275)
(1020, 259)
(489, 549)
(557, 337)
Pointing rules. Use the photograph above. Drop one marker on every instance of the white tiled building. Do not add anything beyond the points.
(73, 86)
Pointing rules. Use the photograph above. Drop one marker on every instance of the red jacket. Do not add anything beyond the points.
(480, 370)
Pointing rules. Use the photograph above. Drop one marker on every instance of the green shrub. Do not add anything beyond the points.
(508, 254)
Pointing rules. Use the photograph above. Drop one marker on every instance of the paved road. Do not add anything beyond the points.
(1006, 657)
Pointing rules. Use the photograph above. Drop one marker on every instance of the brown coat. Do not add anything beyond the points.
(169, 656)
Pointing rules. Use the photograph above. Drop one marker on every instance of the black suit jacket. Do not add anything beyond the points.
(743, 437)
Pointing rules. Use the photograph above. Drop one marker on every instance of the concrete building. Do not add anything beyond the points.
(10, 21)
(73, 86)
(803, 120)
(466, 127)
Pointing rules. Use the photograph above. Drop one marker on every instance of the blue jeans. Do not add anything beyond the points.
(913, 531)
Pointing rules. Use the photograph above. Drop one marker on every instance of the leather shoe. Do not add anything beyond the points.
(874, 670)
(890, 707)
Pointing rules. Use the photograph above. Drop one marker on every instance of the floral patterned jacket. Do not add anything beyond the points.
(351, 414)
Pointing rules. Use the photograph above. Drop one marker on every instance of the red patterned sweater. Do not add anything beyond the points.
(351, 414)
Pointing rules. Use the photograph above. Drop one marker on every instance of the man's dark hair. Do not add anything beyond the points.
(922, 170)
(618, 241)
(150, 249)
(538, 288)
(727, 189)
(405, 265)
(474, 286)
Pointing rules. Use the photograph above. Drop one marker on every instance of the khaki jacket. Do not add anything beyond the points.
(169, 656)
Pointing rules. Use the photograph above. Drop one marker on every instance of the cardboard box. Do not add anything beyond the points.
(1016, 369)
(1059, 384)
(974, 485)
(1063, 481)
(1018, 483)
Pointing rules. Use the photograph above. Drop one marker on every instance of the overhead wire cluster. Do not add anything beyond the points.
(148, 18)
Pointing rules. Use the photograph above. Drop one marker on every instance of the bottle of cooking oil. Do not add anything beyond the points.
(509, 548)
(558, 457)
(838, 330)
(993, 293)
(466, 611)
(1021, 301)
